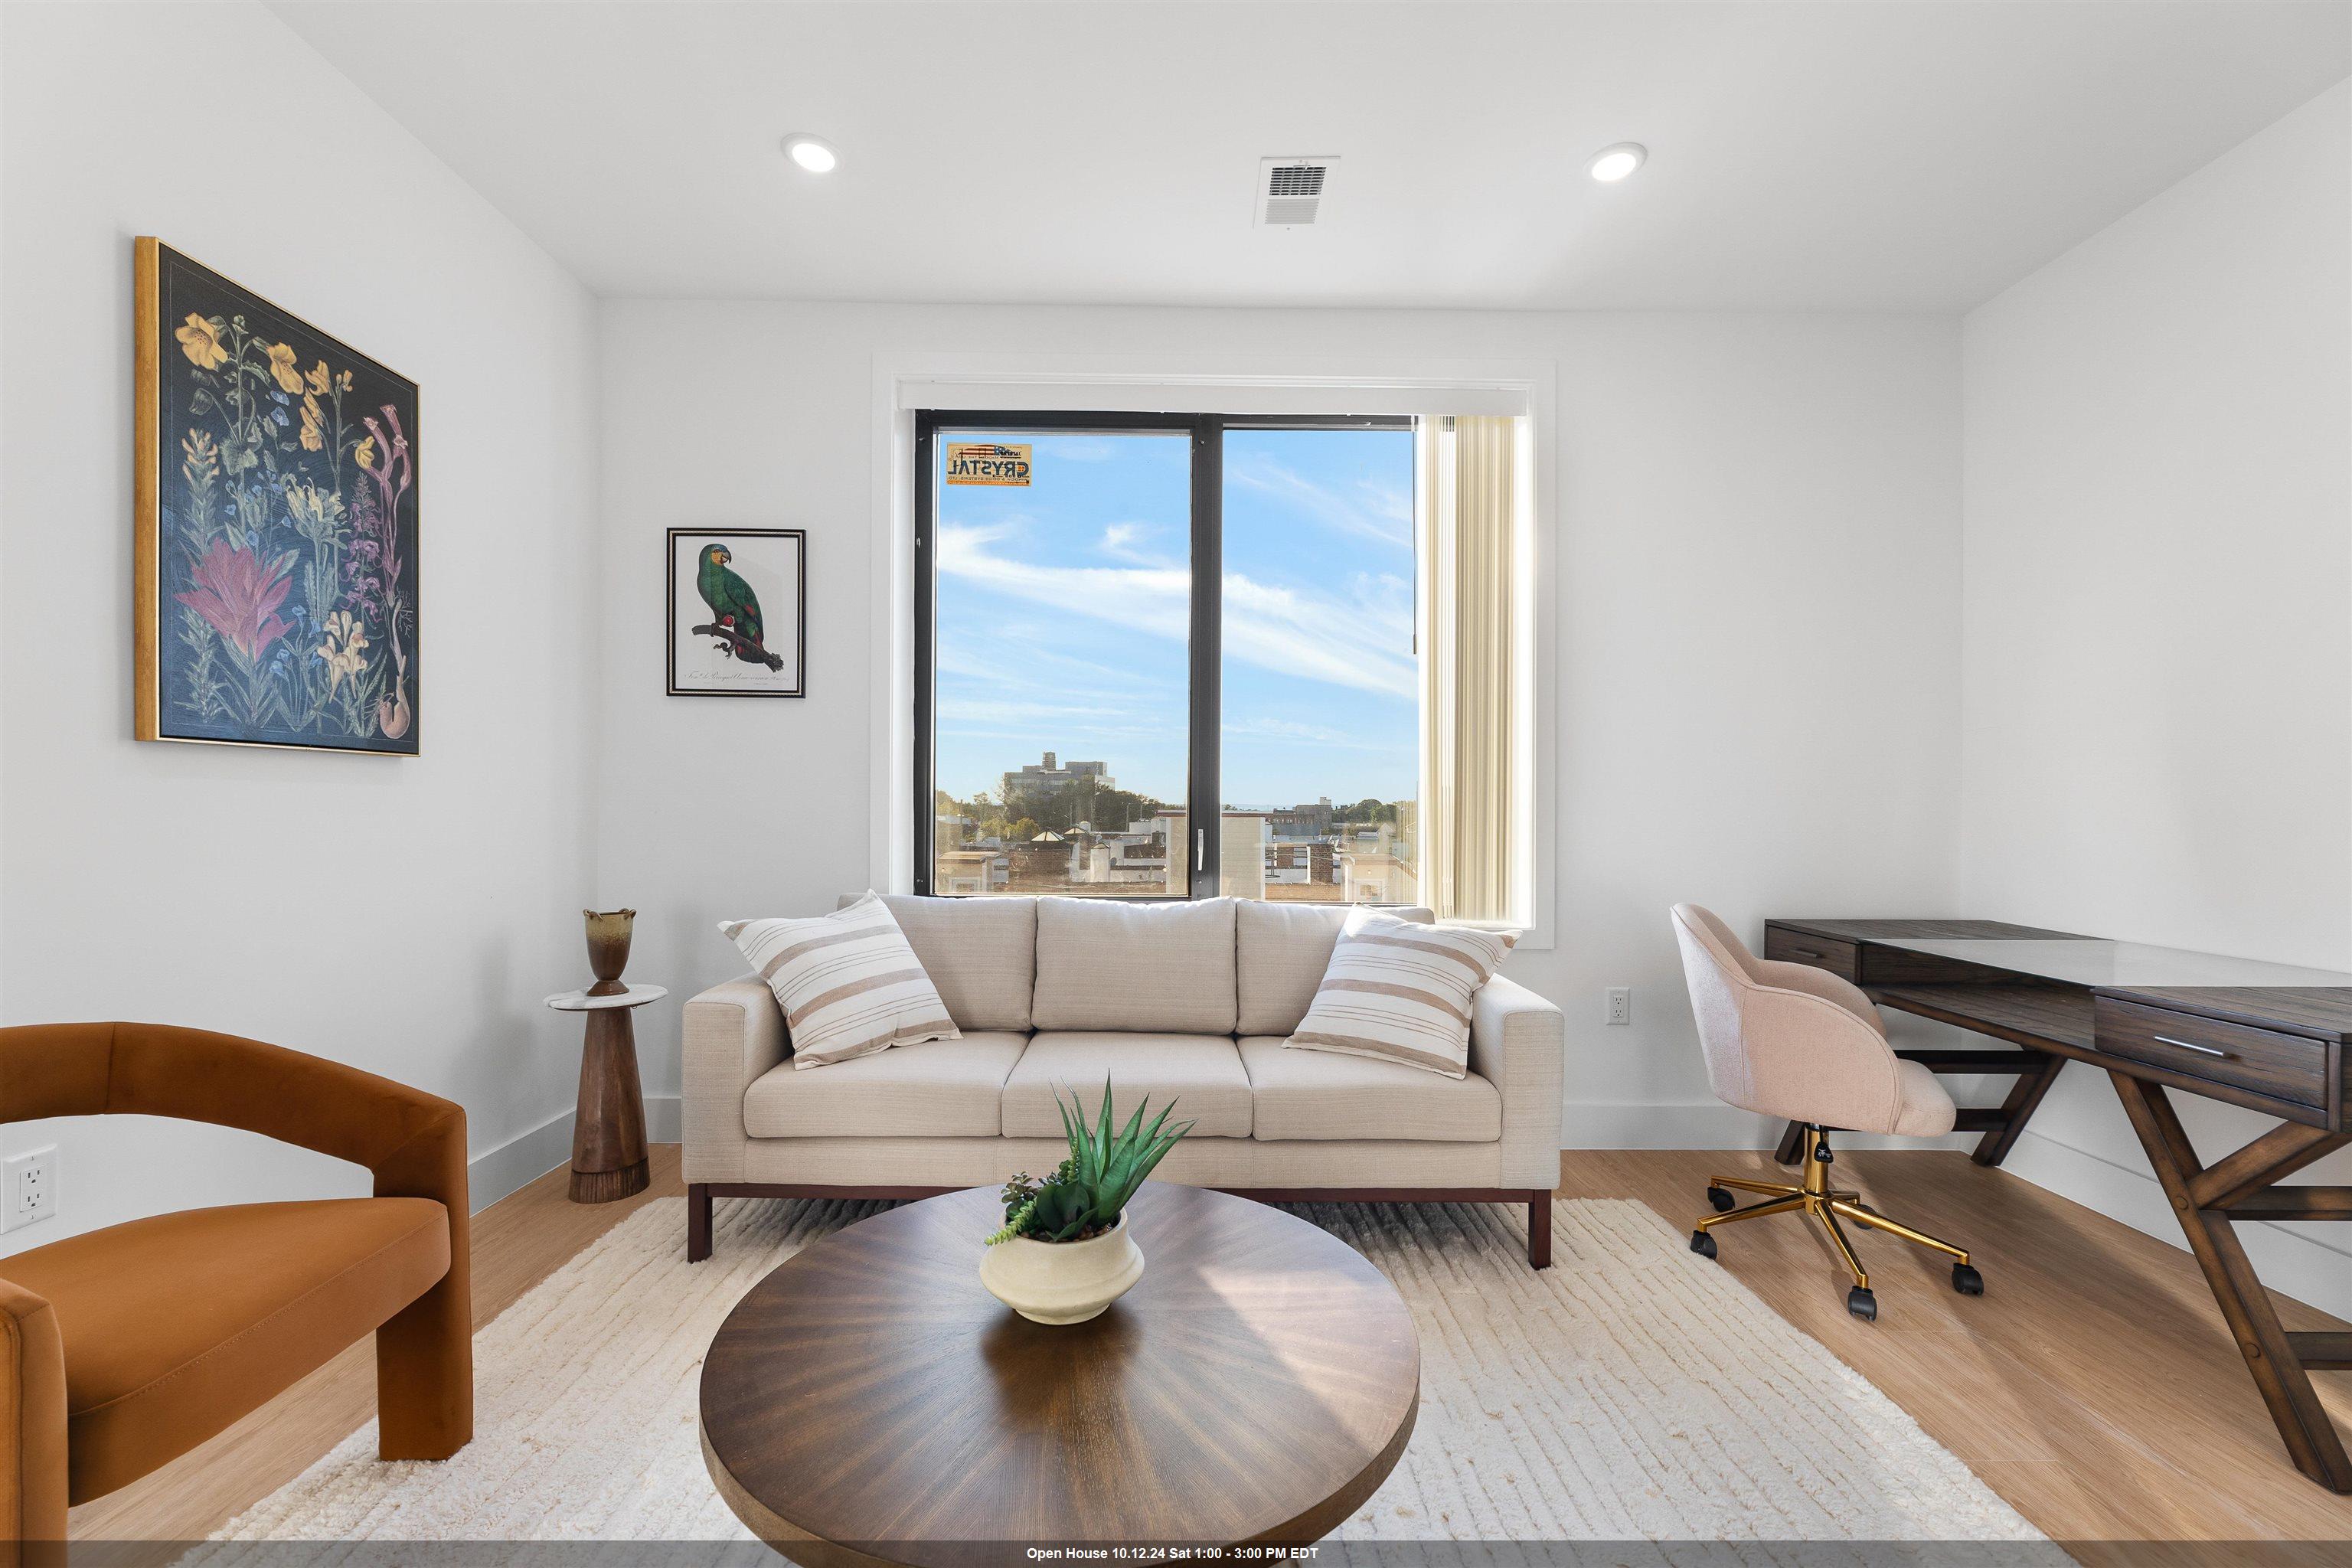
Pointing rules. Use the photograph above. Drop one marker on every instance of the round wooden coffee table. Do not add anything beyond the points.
(869, 1401)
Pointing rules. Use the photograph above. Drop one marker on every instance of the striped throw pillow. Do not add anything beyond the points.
(1401, 992)
(847, 982)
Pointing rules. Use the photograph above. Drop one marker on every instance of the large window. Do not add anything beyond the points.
(1166, 657)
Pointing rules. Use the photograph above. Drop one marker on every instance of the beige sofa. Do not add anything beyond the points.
(1184, 1000)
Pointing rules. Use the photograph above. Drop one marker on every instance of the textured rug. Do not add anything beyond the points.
(1632, 1392)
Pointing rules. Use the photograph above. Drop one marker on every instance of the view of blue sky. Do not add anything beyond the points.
(1064, 614)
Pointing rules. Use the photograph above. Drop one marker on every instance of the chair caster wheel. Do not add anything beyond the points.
(1862, 1304)
(1966, 1280)
(1720, 1199)
(1702, 1244)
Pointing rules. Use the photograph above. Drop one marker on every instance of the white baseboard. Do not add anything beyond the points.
(2309, 1264)
(526, 1156)
(1706, 1124)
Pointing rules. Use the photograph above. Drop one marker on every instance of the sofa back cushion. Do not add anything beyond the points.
(1163, 968)
(1281, 952)
(982, 954)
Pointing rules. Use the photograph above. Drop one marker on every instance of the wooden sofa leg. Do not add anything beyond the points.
(697, 1221)
(1539, 1230)
(424, 1376)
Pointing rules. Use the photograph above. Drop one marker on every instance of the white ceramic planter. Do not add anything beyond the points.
(1061, 1281)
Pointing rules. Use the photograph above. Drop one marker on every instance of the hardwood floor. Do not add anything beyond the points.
(2093, 1385)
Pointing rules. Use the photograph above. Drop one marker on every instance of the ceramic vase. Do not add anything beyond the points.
(608, 949)
(1061, 1281)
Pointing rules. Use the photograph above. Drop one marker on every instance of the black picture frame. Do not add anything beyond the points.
(705, 655)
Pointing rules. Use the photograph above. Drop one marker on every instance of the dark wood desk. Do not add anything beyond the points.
(2269, 1036)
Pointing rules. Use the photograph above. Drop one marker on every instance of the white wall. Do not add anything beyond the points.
(404, 916)
(1784, 667)
(1758, 626)
(2158, 614)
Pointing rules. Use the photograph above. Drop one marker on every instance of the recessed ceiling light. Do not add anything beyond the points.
(1611, 165)
(814, 154)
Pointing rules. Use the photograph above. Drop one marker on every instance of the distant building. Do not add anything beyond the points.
(1300, 865)
(1303, 853)
(1046, 864)
(1297, 822)
(1045, 777)
(974, 871)
(1377, 867)
(1242, 846)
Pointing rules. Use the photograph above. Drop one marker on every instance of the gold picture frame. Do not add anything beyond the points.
(275, 524)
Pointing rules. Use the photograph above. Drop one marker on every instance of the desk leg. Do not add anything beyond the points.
(608, 1130)
(2278, 1375)
(2024, 1098)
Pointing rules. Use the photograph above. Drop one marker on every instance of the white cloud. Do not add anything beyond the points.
(1264, 728)
(976, 710)
(1377, 511)
(1124, 542)
(1155, 599)
(1391, 502)
(1361, 641)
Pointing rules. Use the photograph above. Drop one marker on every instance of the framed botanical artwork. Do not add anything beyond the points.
(737, 612)
(275, 493)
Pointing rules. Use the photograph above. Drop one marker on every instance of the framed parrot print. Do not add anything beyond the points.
(737, 612)
(275, 500)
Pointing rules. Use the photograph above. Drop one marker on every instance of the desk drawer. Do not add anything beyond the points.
(2291, 1068)
(1819, 952)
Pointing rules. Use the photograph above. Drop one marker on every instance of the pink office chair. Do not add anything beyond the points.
(1799, 1043)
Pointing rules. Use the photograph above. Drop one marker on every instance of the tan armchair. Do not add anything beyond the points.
(1800, 1044)
(123, 1349)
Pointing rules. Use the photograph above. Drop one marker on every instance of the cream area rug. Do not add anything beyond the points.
(1633, 1392)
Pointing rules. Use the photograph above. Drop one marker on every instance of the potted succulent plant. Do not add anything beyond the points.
(1064, 1253)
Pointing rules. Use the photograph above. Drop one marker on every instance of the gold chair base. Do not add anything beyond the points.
(1825, 1204)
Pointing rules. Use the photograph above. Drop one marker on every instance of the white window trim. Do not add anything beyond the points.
(904, 381)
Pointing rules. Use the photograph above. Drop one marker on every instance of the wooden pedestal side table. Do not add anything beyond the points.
(608, 1133)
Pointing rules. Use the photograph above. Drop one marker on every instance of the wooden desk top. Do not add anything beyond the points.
(2255, 992)
(1898, 931)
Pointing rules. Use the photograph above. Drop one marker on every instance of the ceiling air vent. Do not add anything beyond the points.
(1291, 191)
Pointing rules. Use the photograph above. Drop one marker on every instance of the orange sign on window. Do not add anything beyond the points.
(986, 463)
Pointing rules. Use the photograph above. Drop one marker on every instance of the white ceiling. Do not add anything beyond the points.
(1871, 155)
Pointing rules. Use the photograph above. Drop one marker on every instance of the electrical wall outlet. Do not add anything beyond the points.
(1620, 1005)
(30, 1180)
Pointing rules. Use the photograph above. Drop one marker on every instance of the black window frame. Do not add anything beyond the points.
(1205, 652)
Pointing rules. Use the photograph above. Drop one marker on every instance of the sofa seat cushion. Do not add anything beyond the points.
(1280, 954)
(1202, 1072)
(940, 1089)
(177, 1324)
(1328, 1096)
(1106, 963)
